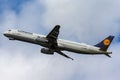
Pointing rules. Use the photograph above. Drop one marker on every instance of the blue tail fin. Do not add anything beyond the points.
(103, 45)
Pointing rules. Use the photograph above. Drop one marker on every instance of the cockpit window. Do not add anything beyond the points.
(9, 30)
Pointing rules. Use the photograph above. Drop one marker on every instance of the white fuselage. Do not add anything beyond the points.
(62, 44)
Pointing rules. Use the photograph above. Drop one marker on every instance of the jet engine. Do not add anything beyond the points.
(47, 51)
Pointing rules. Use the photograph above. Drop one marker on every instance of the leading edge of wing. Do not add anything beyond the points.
(54, 33)
(61, 53)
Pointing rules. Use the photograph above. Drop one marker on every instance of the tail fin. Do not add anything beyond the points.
(103, 45)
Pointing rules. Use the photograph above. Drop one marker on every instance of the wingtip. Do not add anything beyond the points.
(108, 55)
(57, 26)
(71, 58)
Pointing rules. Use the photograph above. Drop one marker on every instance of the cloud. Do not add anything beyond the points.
(84, 17)
(82, 21)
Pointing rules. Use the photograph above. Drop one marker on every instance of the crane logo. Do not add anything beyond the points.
(106, 42)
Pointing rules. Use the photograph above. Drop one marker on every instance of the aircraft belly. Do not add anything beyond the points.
(24, 38)
(78, 49)
(30, 39)
(69, 47)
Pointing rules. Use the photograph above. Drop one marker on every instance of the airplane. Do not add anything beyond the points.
(52, 44)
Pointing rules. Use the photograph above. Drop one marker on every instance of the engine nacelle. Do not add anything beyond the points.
(47, 51)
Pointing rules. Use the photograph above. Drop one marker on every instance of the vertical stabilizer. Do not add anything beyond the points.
(103, 45)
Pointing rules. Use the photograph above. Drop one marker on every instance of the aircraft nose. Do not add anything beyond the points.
(5, 33)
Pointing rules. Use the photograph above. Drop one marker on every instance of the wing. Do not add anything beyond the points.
(53, 35)
(61, 53)
(52, 40)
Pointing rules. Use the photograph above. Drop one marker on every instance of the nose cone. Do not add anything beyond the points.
(6, 33)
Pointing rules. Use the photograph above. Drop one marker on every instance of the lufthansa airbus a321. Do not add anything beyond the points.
(52, 44)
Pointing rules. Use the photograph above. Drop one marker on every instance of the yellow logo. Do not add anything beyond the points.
(106, 42)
